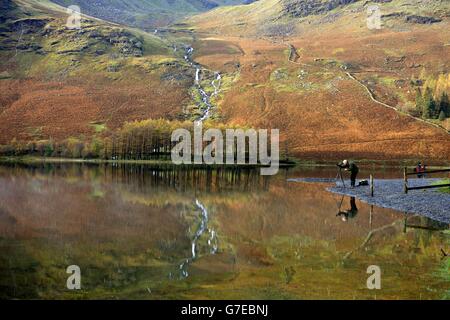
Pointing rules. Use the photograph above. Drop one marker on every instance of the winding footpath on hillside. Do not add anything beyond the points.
(293, 56)
(372, 97)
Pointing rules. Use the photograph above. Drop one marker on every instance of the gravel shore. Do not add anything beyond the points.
(389, 194)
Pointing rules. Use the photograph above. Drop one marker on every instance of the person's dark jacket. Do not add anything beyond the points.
(351, 167)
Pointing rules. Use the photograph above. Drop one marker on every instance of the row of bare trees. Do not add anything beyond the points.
(138, 140)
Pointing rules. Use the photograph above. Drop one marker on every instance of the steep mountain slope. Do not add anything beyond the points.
(145, 14)
(59, 83)
(287, 17)
(332, 85)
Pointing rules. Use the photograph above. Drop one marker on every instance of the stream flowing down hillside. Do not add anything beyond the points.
(206, 105)
(203, 231)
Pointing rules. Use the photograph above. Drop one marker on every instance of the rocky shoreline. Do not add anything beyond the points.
(389, 194)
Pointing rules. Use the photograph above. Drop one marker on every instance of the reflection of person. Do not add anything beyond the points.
(420, 169)
(352, 168)
(350, 213)
(424, 169)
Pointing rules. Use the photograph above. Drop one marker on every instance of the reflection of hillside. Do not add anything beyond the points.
(291, 209)
(130, 228)
(245, 205)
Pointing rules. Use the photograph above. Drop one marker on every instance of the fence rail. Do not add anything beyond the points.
(429, 171)
(406, 174)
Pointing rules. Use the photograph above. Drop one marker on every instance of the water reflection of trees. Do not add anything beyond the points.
(143, 176)
(184, 179)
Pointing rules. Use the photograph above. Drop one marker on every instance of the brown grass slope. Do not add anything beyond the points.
(279, 70)
(320, 110)
(59, 83)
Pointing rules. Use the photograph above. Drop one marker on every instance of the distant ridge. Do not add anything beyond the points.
(145, 14)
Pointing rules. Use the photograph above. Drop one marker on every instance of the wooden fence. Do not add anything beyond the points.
(426, 172)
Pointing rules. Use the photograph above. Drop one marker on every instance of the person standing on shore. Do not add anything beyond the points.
(352, 168)
(420, 169)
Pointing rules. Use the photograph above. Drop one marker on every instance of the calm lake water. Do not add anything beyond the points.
(141, 233)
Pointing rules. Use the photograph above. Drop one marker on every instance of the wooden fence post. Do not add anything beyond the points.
(371, 185)
(405, 178)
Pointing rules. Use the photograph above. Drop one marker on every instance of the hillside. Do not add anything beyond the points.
(59, 83)
(289, 17)
(333, 86)
(145, 14)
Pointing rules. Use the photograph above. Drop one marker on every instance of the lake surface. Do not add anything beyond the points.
(137, 232)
